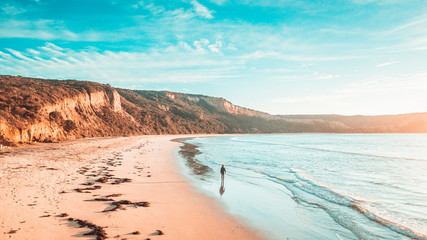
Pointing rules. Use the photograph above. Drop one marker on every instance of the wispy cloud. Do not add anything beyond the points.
(302, 57)
(196, 10)
(12, 10)
(180, 63)
(40, 29)
(409, 36)
(419, 21)
(327, 76)
(385, 64)
(202, 10)
(49, 30)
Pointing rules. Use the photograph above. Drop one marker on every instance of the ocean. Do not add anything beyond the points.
(316, 186)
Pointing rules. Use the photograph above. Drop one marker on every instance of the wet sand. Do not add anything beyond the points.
(115, 188)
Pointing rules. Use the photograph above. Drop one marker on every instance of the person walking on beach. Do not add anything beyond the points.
(223, 171)
(222, 188)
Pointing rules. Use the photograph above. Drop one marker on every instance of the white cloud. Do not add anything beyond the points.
(12, 10)
(179, 63)
(201, 10)
(409, 36)
(420, 20)
(273, 54)
(203, 46)
(5, 55)
(32, 51)
(262, 54)
(215, 47)
(154, 9)
(199, 45)
(320, 76)
(49, 30)
(40, 29)
(19, 55)
(385, 64)
(197, 10)
(138, 4)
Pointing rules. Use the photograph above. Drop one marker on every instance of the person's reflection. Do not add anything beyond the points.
(222, 188)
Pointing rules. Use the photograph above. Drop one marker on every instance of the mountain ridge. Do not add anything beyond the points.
(33, 109)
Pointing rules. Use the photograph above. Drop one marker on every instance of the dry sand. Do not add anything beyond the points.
(38, 183)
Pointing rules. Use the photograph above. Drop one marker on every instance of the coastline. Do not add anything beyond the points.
(304, 194)
(40, 187)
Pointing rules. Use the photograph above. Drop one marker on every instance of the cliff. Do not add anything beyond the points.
(222, 105)
(52, 110)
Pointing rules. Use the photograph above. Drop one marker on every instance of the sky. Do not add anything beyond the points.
(279, 56)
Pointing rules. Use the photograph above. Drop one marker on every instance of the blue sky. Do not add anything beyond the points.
(279, 56)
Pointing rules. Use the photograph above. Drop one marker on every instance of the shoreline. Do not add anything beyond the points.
(44, 185)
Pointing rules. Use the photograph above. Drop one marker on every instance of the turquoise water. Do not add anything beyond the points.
(320, 186)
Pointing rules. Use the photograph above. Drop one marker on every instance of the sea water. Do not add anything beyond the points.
(318, 186)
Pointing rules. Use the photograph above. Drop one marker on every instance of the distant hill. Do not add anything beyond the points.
(53, 110)
(401, 123)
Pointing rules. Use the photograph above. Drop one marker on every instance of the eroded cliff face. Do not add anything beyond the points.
(72, 117)
(223, 105)
(220, 105)
(29, 113)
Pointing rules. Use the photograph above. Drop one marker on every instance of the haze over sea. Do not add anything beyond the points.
(319, 186)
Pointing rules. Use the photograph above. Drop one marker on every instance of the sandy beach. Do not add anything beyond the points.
(116, 188)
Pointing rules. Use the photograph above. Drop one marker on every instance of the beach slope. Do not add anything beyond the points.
(118, 188)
